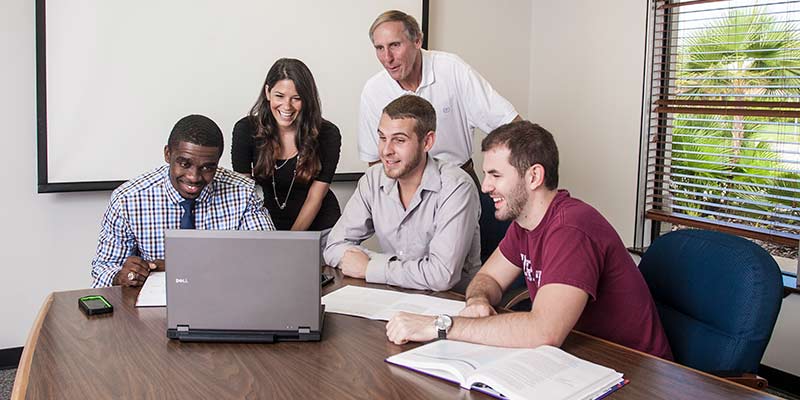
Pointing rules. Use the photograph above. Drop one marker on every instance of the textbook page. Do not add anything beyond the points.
(546, 372)
(380, 304)
(451, 360)
(154, 291)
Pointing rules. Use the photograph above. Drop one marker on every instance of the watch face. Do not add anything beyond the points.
(443, 322)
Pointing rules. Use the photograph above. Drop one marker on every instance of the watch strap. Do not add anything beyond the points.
(443, 324)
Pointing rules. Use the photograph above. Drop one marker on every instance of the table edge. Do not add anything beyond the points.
(24, 368)
(21, 381)
(648, 355)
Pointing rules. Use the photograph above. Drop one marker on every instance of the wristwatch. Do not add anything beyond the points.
(443, 323)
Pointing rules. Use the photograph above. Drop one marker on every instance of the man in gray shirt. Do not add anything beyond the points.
(424, 211)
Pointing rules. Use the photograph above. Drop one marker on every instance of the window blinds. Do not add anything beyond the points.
(723, 117)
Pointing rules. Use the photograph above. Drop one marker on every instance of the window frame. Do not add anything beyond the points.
(651, 219)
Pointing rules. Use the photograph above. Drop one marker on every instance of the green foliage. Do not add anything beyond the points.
(742, 50)
(743, 56)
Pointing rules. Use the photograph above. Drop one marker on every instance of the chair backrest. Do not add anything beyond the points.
(718, 296)
(492, 230)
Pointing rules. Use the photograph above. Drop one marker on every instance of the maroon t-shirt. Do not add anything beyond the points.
(576, 246)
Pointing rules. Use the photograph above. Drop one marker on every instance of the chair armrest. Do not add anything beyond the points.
(751, 380)
(514, 297)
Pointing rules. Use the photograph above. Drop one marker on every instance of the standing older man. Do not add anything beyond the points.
(423, 211)
(463, 99)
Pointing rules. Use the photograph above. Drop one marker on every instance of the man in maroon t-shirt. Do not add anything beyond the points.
(577, 269)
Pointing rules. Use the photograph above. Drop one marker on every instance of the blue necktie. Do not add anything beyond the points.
(187, 219)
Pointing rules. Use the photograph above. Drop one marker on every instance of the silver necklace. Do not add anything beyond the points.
(291, 185)
(285, 161)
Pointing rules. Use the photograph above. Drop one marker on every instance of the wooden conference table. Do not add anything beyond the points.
(127, 355)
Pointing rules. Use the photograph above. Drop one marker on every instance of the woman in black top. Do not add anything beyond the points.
(291, 152)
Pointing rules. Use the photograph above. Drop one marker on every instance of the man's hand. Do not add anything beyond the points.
(406, 327)
(136, 268)
(160, 265)
(354, 263)
(477, 308)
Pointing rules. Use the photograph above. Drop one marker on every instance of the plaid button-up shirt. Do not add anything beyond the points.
(141, 209)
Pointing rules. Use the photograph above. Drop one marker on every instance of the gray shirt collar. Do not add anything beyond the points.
(431, 179)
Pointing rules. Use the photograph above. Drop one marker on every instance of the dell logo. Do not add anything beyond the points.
(181, 280)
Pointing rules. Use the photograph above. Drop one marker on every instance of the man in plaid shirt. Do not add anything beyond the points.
(190, 192)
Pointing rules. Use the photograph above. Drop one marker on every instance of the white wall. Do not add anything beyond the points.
(162, 64)
(586, 88)
(48, 240)
(491, 36)
(783, 352)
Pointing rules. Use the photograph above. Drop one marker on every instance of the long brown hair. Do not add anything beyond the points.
(308, 122)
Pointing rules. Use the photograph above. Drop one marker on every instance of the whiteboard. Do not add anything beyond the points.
(115, 76)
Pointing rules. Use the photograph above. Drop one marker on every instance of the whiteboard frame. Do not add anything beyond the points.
(43, 183)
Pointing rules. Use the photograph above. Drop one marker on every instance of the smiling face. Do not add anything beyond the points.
(284, 102)
(191, 167)
(400, 150)
(503, 184)
(396, 52)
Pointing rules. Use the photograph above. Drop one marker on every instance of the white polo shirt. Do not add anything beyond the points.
(462, 98)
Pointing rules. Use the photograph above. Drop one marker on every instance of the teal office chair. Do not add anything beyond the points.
(718, 296)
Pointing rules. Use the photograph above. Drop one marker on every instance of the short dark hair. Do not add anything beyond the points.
(415, 107)
(529, 144)
(196, 129)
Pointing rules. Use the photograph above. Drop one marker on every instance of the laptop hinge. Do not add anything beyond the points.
(183, 328)
(304, 329)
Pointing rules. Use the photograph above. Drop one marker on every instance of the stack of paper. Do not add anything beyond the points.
(383, 304)
(154, 291)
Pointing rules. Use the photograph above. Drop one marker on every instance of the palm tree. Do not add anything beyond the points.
(744, 56)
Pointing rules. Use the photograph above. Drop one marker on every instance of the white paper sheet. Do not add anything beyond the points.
(154, 291)
(382, 304)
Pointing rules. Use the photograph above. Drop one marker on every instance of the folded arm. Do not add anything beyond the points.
(488, 285)
(555, 311)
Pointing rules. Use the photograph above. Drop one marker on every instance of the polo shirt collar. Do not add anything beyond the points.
(428, 77)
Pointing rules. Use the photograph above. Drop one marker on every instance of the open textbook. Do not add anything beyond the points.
(380, 304)
(545, 372)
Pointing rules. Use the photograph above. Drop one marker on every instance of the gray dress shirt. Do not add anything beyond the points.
(432, 245)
